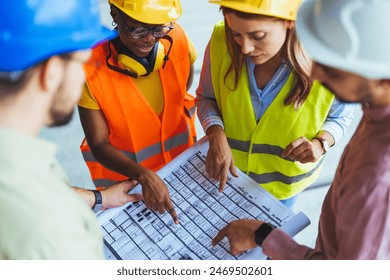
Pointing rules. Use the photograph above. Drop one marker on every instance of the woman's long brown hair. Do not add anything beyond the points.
(299, 61)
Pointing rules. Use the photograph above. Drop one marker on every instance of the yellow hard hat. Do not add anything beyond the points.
(150, 11)
(285, 9)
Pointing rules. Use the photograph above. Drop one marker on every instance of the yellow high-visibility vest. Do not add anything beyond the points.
(257, 146)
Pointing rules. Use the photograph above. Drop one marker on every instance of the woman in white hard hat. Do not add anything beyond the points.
(135, 109)
(257, 103)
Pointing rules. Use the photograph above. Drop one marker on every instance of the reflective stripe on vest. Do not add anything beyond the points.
(279, 177)
(148, 152)
(257, 146)
(104, 182)
(271, 150)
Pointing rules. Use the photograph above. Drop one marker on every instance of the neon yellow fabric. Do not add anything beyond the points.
(257, 147)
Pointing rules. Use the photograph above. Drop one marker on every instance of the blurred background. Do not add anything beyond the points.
(198, 20)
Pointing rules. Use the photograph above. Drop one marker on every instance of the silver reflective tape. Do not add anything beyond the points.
(176, 141)
(104, 182)
(279, 177)
(239, 145)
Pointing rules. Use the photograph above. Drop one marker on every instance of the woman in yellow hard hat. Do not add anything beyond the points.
(135, 109)
(257, 103)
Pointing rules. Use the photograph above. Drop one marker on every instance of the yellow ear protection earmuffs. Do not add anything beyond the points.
(141, 65)
(135, 66)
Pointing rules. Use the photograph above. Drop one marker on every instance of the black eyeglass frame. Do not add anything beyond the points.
(147, 30)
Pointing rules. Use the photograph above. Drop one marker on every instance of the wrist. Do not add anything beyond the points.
(215, 134)
(214, 130)
(262, 233)
(324, 144)
(145, 177)
(98, 200)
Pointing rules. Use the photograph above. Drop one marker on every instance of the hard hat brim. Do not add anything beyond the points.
(32, 54)
(321, 52)
(153, 13)
(249, 8)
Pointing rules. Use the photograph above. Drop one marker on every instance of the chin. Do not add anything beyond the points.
(258, 60)
(60, 120)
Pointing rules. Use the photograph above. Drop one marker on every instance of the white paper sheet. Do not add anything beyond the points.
(135, 232)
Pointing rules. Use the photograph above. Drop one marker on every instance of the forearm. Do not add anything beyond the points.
(115, 160)
(86, 195)
(280, 246)
(207, 107)
(207, 110)
(339, 119)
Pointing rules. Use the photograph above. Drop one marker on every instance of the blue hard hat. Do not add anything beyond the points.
(34, 30)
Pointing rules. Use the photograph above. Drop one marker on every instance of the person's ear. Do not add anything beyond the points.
(114, 14)
(382, 85)
(385, 83)
(51, 74)
(290, 24)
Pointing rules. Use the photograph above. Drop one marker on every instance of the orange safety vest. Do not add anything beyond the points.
(135, 128)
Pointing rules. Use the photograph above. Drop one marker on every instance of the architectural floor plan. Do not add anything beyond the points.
(135, 232)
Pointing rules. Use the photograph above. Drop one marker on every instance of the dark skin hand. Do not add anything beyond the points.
(155, 192)
(240, 234)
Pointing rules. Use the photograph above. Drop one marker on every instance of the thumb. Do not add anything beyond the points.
(134, 197)
(129, 184)
(234, 250)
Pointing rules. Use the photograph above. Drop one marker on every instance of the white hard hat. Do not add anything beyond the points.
(351, 35)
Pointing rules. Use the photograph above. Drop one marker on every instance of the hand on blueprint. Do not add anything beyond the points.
(303, 150)
(117, 195)
(219, 158)
(240, 234)
(156, 194)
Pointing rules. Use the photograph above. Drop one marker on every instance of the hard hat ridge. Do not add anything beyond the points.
(285, 9)
(150, 12)
(32, 31)
(347, 34)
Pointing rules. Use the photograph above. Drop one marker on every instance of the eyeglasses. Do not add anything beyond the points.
(141, 32)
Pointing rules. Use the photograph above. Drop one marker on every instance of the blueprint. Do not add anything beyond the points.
(135, 232)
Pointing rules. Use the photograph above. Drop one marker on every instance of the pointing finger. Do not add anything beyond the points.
(173, 214)
(221, 234)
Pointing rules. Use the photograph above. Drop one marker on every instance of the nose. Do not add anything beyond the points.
(149, 38)
(247, 45)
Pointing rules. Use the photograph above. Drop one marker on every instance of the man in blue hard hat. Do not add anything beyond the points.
(43, 46)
